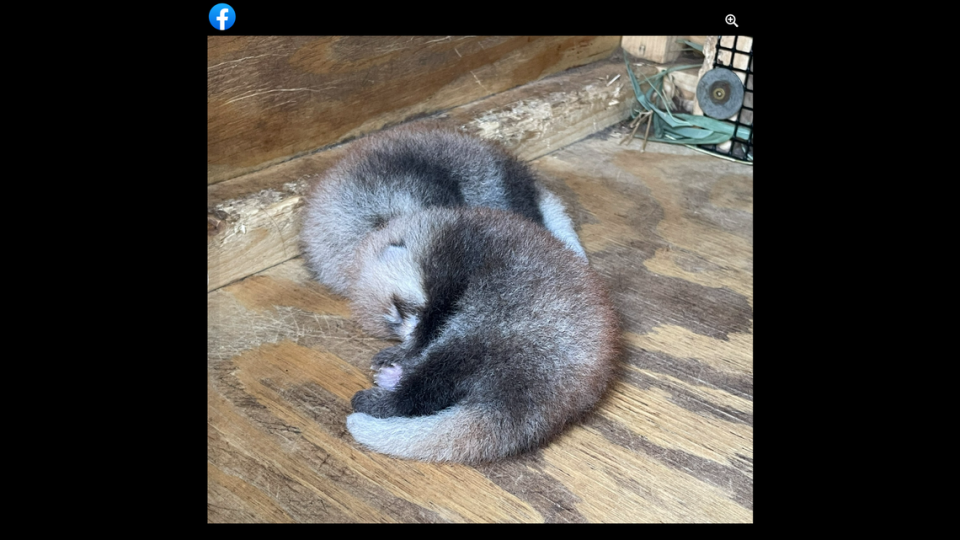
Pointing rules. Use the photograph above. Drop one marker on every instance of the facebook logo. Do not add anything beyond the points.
(222, 16)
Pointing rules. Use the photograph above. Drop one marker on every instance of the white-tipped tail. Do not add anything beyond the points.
(454, 434)
(556, 220)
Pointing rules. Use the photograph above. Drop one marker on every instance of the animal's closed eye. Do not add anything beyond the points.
(404, 309)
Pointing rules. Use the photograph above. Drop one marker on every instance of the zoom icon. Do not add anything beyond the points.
(222, 16)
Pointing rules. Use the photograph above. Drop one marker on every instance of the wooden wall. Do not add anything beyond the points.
(272, 98)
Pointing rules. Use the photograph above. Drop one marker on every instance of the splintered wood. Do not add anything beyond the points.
(671, 233)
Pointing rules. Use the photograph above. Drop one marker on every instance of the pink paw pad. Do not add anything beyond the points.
(388, 377)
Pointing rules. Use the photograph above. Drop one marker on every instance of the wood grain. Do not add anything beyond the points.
(272, 98)
(657, 49)
(670, 232)
(254, 220)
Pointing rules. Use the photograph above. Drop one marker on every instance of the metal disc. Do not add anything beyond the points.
(720, 93)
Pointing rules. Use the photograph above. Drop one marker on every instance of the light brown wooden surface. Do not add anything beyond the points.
(254, 220)
(657, 49)
(270, 98)
(671, 233)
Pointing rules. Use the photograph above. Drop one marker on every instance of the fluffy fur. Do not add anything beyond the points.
(506, 335)
(452, 246)
(402, 172)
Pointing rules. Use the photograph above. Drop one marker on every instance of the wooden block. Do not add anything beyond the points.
(271, 98)
(549, 114)
(658, 49)
(254, 220)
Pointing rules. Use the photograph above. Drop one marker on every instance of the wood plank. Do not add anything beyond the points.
(669, 231)
(254, 220)
(271, 98)
(657, 49)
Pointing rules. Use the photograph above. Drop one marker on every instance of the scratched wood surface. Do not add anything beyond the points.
(270, 98)
(671, 232)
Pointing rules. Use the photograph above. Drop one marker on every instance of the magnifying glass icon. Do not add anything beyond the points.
(732, 20)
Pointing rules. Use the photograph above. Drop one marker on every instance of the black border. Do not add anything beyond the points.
(323, 18)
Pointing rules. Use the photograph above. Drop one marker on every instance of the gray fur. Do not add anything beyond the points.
(373, 185)
(532, 339)
(449, 245)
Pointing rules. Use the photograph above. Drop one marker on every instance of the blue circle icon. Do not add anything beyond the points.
(222, 16)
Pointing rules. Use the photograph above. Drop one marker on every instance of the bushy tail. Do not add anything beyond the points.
(459, 433)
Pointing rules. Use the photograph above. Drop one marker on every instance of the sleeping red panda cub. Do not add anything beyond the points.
(506, 334)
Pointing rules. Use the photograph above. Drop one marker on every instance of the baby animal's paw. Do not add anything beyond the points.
(388, 377)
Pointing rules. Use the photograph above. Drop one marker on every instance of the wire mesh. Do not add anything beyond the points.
(736, 54)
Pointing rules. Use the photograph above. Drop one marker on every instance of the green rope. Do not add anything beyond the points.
(679, 128)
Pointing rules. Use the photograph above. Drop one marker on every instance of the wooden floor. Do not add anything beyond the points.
(671, 232)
